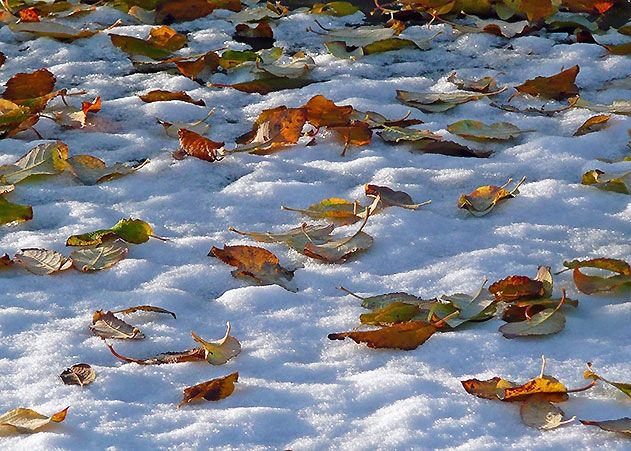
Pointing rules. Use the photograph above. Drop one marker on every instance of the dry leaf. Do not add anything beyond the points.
(257, 264)
(435, 102)
(482, 200)
(42, 261)
(537, 412)
(515, 288)
(24, 86)
(336, 251)
(488, 389)
(134, 231)
(389, 197)
(101, 257)
(159, 95)
(10, 212)
(557, 87)
(91, 170)
(486, 84)
(212, 390)
(201, 67)
(618, 183)
(408, 335)
(259, 37)
(44, 159)
(479, 131)
(623, 387)
(198, 146)
(593, 124)
(546, 322)
(106, 325)
(167, 38)
(339, 211)
(26, 420)
(80, 374)
(597, 284)
(622, 425)
(218, 353)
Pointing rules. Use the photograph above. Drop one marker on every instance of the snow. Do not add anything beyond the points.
(298, 390)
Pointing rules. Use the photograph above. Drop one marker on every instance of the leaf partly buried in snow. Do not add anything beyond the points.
(623, 387)
(160, 95)
(130, 230)
(479, 131)
(80, 374)
(557, 87)
(257, 264)
(435, 102)
(218, 353)
(482, 200)
(212, 390)
(596, 284)
(408, 335)
(101, 257)
(107, 325)
(593, 124)
(618, 183)
(298, 67)
(27, 420)
(485, 84)
(42, 261)
(10, 212)
(391, 198)
(44, 159)
(91, 170)
(537, 412)
(622, 425)
(198, 146)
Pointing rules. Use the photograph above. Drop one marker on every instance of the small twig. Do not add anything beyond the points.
(350, 292)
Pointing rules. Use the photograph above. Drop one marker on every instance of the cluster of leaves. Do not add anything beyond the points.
(538, 398)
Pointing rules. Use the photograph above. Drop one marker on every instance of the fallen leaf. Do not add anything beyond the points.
(339, 211)
(15, 118)
(479, 131)
(449, 148)
(159, 95)
(543, 384)
(593, 124)
(488, 389)
(547, 322)
(485, 84)
(322, 112)
(435, 102)
(200, 67)
(266, 85)
(172, 129)
(10, 212)
(212, 390)
(130, 230)
(101, 257)
(5, 261)
(339, 250)
(107, 325)
(398, 134)
(191, 355)
(42, 261)
(597, 284)
(477, 307)
(257, 264)
(515, 288)
(218, 353)
(144, 308)
(408, 335)
(166, 38)
(275, 128)
(185, 10)
(393, 313)
(299, 67)
(623, 387)
(52, 30)
(391, 198)
(359, 36)
(235, 58)
(294, 238)
(26, 420)
(80, 374)
(622, 425)
(616, 107)
(337, 9)
(539, 413)
(198, 146)
(383, 300)
(355, 134)
(618, 183)
(259, 37)
(482, 200)
(136, 46)
(91, 170)
(24, 86)
(557, 87)
(44, 159)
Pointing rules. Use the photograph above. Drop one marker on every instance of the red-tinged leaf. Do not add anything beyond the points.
(597, 284)
(558, 87)
(29, 15)
(259, 37)
(198, 146)
(212, 390)
(185, 10)
(201, 67)
(514, 288)
(356, 134)
(24, 86)
(159, 95)
(488, 389)
(322, 112)
(409, 335)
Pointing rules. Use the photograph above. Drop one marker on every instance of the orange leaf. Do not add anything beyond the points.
(165, 96)
(184, 10)
(91, 107)
(167, 38)
(596, 284)
(409, 335)
(356, 134)
(488, 389)
(192, 69)
(212, 390)
(515, 288)
(29, 15)
(198, 146)
(540, 385)
(24, 86)
(323, 112)
(557, 87)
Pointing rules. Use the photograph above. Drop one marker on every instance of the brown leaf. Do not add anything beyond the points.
(42, 261)
(449, 148)
(185, 10)
(274, 128)
(27, 420)
(144, 308)
(25, 86)
(159, 95)
(487, 389)
(212, 390)
(356, 134)
(484, 198)
(389, 197)
(191, 355)
(91, 170)
(259, 37)
(514, 288)
(593, 124)
(409, 335)
(198, 146)
(29, 15)
(596, 284)
(5, 261)
(543, 384)
(106, 325)
(486, 84)
(201, 67)
(167, 38)
(557, 87)
(257, 264)
(80, 374)
(322, 112)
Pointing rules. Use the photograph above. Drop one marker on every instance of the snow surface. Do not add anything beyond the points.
(297, 389)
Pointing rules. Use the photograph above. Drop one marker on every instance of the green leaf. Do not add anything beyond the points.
(618, 183)
(479, 131)
(137, 46)
(233, 58)
(10, 212)
(133, 231)
(396, 312)
(480, 306)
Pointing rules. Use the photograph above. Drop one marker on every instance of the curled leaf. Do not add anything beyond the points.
(593, 124)
(144, 308)
(597, 284)
(43, 159)
(389, 197)
(622, 425)
(618, 183)
(218, 353)
(80, 374)
(106, 325)
(435, 102)
(160, 95)
(623, 387)
(482, 200)
(212, 390)
(479, 131)
(339, 211)
(488, 389)
(547, 322)
(134, 231)
(91, 170)
(198, 146)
